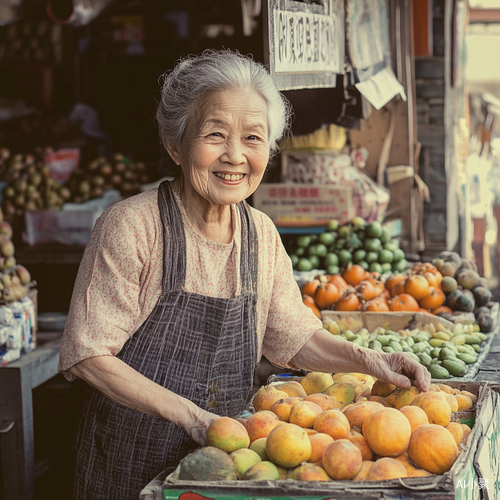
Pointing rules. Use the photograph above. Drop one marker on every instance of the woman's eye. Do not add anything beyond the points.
(253, 138)
(216, 134)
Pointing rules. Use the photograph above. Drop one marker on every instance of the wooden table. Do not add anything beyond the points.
(17, 380)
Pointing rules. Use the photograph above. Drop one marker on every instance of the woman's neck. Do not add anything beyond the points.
(211, 221)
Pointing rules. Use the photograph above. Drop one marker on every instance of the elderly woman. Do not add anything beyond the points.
(182, 289)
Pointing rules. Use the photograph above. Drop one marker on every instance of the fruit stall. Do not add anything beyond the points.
(316, 435)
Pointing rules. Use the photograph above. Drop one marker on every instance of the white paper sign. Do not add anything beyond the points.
(381, 88)
(305, 42)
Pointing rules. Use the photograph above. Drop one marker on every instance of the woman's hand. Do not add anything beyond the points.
(397, 368)
(323, 352)
(197, 425)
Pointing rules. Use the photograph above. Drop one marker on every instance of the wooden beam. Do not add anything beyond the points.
(422, 27)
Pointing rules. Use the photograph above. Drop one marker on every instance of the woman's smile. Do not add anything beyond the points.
(229, 178)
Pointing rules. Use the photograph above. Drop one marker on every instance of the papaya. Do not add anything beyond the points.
(465, 303)
(482, 295)
(485, 322)
(451, 301)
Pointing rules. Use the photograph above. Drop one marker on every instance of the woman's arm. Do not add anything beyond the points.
(326, 353)
(121, 383)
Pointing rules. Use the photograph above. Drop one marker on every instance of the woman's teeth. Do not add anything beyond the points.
(230, 177)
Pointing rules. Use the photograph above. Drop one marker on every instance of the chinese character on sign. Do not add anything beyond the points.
(272, 192)
(282, 192)
(314, 193)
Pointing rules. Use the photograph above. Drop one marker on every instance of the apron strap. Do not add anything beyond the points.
(249, 260)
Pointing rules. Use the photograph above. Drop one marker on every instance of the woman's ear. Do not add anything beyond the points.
(173, 151)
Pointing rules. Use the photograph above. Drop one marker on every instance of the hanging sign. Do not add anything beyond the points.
(305, 43)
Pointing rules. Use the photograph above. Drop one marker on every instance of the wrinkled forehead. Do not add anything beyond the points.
(245, 105)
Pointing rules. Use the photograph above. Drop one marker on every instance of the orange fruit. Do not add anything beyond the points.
(404, 302)
(417, 286)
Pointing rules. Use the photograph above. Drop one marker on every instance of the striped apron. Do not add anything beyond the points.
(201, 348)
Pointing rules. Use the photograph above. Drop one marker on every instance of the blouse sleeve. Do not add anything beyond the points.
(105, 307)
(290, 323)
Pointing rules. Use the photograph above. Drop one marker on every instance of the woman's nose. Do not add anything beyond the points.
(233, 153)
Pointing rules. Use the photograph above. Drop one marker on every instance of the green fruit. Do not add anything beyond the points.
(446, 353)
(314, 260)
(386, 234)
(372, 244)
(391, 245)
(331, 259)
(339, 244)
(359, 255)
(304, 265)
(360, 233)
(300, 251)
(344, 232)
(456, 367)
(371, 257)
(438, 372)
(424, 358)
(397, 254)
(386, 268)
(333, 269)
(364, 265)
(303, 241)
(467, 358)
(313, 237)
(327, 238)
(387, 348)
(375, 267)
(321, 250)
(295, 260)
(400, 265)
(385, 256)
(332, 225)
(345, 257)
(358, 222)
(374, 230)
(312, 250)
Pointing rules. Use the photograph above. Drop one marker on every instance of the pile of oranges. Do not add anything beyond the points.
(418, 290)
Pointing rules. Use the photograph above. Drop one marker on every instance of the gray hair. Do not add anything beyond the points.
(196, 76)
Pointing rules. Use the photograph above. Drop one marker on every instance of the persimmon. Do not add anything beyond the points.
(422, 310)
(348, 301)
(431, 278)
(432, 300)
(326, 294)
(394, 280)
(374, 275)
(404, 302)
(354, 274)
(309, 302)
(398, 289)
(376, 305)
(338, 281)
(310, 287)
(366, 290)
(417, 286)
(442, 309)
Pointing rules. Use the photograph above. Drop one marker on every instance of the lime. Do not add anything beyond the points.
(313, 237)
(312, 250)
(333, 269)
(386, 267)
(303, 241)
(344, 232)
(364, 265)
(321, 250)
(398, 254)
(332, 225)
(327, 238)
(331, 259)
(359, 255)
(391, 245)
(385, 256)
(374, 230)
(314, 260)
(345, 257)
(300, 251)
(372, 244)
(340, 243)
(386, 234)
(354, 242)
(371, 257)
(304, 265)
(400, 265)
(375, 267)
(358, 222)
(295, 260)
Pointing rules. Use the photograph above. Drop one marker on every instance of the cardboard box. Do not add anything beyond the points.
(449, 486)
(304, 204)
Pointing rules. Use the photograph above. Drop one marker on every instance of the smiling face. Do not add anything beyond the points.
(225, 149)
